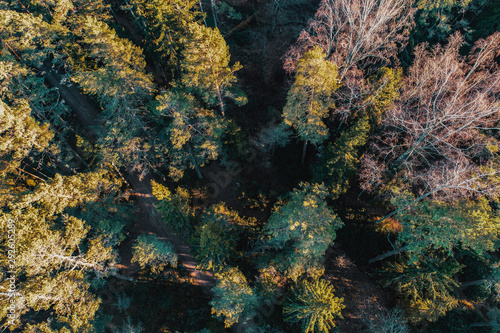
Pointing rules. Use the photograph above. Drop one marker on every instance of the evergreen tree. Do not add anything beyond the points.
(232, 297)
(150, 251)
(217, 236)
(425, 286)
(302, 229)
(340, 161)
(310, 97)
(314, 306)
(175, 209)
(167, 26)
(206, 70)
(191, 135)
(56, 254)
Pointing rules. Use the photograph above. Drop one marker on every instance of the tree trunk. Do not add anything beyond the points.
(214, 12)
(388, 254)
(221, 103)
(304, 149)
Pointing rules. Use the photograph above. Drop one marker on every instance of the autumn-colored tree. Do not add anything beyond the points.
(354, 32)
(310, 97)
(436, 136)
(301, 230)
(206, 70)
(314, 306)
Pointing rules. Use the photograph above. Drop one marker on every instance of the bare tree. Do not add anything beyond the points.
(438, 134)
(355, 32)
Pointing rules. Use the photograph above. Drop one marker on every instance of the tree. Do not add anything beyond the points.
(191, 135)
(206, 70)
(340, 161)
(167, 26)
(437, 135)
(310, 97)
(314, 306)
(425, 286)
(150, 251)
(122, 86)
(470, 225)
(233, 298)
(354, 33)
(302, 229)
(217, 236)
(175, 209)
(20, 134)
(56, 253)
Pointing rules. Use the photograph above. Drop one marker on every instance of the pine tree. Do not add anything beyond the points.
(425, 286)
(340, 161)
(217, 236)
(232, 297)
(206, 70)
(314, 306)
(150, 251)
(302, 229)
(191, 136)
(167, 26)
(310, 97)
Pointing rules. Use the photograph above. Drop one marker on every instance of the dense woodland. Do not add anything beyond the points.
(254, 166)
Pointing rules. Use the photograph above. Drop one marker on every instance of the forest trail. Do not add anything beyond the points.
(149, 217)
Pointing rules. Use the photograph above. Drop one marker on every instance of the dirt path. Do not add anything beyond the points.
(149, 218)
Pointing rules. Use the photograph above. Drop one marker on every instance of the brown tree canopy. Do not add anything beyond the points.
(440, 135)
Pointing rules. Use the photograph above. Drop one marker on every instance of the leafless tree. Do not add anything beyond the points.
(439, 132)
(355, 32)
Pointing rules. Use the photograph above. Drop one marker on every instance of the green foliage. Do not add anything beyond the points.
(436, 20)
(233, 298)
(425, 286)
(217, 236)
(192, 135)
(167, 25)
(175, 208)
(20, 134)
(314, 306)
(302, 230)
(384, 90)
(340, 162)
(150, 251)
(310, 97)
(206, 70)
(57, 254)
(471, 225)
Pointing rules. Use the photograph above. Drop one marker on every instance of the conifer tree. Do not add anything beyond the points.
(314, 306)
(310, 97)
(191, 135)
(302, 229)
(166, 23)
(150, 251)
(206, 70)
(232, 297)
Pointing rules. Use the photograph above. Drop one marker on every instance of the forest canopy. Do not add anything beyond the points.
(250, 166)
